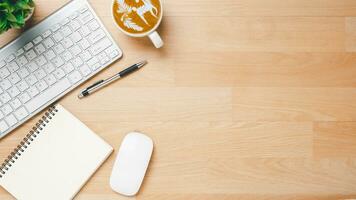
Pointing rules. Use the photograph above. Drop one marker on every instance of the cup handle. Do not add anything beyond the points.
(156, 39)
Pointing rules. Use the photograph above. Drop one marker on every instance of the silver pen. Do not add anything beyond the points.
(102, 83)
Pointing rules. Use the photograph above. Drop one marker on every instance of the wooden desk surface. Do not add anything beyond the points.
(249, 99)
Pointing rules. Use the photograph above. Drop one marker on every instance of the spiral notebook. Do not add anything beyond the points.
(55, 159)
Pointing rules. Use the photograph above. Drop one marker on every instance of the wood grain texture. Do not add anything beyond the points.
(248, 99)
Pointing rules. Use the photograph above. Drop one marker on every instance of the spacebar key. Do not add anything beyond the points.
(48, 95)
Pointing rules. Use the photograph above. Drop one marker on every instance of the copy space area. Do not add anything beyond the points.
(248, 99)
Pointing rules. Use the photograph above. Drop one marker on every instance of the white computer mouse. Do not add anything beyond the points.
(131, 164)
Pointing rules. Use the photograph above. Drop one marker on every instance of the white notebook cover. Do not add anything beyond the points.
(58, 162)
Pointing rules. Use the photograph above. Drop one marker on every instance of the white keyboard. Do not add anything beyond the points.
(51, 59)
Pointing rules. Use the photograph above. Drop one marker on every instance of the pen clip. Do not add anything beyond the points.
(95, 84)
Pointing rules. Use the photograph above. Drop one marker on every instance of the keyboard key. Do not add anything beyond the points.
(93, 25)
(103, 58)
(4, 72)
(40, 49)
(96, 36)
(85, 70)
(59, 48)
(22, 86)
(50, 79)
(100, 46)
(22, 60)
(74, 15)
(10, 58)
(5, 97)
(32, 66)
(20, 52)
(66, 31)
(40, 74)
(50, 55)
(5, 84)
(13, 67)
(85, 55)
(3, 126)
(41, 85)
(33, 91)
(59, 73)
(11, 120)
(74, 25)
(31, 79)
(58, 36)
(46, 33)
(21, 113)
(67, 43)
(112, 53)
(48, 95)
(6, 109)
(30, 54)
(92, 62)
(14, 78)
(68, 67)
(65, 21)
(56, 27)
(85, 17)
(28, 46)
(95, 66)
(75, 50)
(57, 61)
(2, 63)
(41, 60)
(48, 43)
(14, 91)
(67, 56)
(15, 104)
(84, 30)
(75, 77)
(83, 9)
(37, 40)
(49, 67)
(23, 72)
(84, 44)
(75, 37)
(110, 49)
(24, 97)
(77, 62)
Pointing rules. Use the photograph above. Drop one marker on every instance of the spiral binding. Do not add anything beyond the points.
(27, 140)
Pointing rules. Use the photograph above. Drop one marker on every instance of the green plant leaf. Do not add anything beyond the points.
(13, 13)
(20, 19)
(11, 17)
(15, 25)
(3, 25)
(23, 5)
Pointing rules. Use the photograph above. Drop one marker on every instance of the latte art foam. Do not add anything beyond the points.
(137, 16)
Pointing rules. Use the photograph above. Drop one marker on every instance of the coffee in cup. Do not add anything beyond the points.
(139, 18)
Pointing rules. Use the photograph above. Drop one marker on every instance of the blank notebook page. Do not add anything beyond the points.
(59, 160)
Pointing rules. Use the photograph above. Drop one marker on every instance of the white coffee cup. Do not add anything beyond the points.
(152, 33)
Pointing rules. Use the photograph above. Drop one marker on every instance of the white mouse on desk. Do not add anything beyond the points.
(131, 164)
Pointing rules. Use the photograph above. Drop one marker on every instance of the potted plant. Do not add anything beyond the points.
(15, 13)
